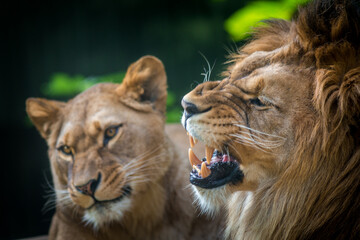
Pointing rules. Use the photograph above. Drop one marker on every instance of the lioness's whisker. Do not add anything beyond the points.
(138, 166)
(142, 169)
(142, 156)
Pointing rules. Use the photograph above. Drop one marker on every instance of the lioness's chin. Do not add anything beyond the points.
(103, 214)
(211, 201)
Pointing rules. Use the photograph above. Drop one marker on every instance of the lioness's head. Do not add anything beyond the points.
(105, 145)
(293, 90)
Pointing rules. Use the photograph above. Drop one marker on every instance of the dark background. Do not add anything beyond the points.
(40, 38)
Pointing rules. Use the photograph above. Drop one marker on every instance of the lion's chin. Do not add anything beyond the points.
(100, 215)
(211, 201)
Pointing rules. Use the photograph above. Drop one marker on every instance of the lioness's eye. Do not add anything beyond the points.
(110, 132)
(66, 150)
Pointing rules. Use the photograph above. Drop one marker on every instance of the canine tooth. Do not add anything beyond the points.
(205, 172)
(208, 153)
(193, 158)
(191, 139)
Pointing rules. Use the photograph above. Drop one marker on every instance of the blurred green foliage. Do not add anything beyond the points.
(62, 85)
(173, 110)
(239, 25)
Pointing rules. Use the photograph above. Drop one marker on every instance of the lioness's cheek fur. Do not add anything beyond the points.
(116, 173)
(285, 122)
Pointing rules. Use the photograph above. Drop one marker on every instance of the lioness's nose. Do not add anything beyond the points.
(89, 188)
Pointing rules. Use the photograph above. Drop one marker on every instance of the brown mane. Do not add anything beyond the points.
(317, 197)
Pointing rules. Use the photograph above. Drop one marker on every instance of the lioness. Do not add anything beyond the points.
(116, 173)
(282, 129)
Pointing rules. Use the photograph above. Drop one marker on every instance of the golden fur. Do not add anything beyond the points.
(288, 109)
(116, 173)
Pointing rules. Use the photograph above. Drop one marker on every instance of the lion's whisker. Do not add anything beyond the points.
(207, 73)
(262, 144)
(251, 145)
(261, 139)
(257, 131)
(233, 147)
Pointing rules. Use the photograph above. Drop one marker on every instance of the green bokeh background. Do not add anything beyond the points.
(238, 26)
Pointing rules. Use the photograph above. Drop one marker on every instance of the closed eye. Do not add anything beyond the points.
(262, 103)
(257, 102)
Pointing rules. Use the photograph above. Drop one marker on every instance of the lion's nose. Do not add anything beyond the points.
(89, 188)
(190, 108)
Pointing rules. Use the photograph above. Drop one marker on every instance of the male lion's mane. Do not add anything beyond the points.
(316, 194)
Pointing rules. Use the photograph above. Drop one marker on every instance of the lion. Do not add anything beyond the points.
(116, 173)
(282, 130)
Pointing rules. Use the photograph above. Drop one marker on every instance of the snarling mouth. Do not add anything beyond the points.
(215, 169)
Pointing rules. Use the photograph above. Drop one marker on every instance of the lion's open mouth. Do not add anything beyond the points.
(214, 170)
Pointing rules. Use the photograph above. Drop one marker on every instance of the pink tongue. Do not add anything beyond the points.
(226, 158)
(223, 158)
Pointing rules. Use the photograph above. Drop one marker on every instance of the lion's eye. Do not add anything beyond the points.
(110, 132)
(66, 150)
(257, 102)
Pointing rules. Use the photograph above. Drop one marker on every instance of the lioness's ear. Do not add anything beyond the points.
(43, 113)
(145, 81)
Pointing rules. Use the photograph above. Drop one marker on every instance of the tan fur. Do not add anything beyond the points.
(300, 152)
(140, 155)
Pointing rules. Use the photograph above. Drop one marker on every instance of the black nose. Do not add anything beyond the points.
(190, 108)
(89, 188)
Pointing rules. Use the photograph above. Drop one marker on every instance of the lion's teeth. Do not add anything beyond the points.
(205, 172)
(241, 167)
(197, 169)
(208, 153)
(191, 140)
(193, 158)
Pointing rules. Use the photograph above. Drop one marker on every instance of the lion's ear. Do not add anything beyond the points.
(43, 113)
(145, 82)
